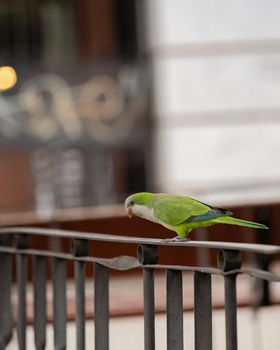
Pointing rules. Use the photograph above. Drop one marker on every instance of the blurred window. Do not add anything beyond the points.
(74, 127)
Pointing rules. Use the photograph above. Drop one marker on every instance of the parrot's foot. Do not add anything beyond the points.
(176, 239)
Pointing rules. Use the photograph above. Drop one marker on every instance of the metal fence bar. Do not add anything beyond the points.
(21, 307)
(101, 307)
(59, 303)
(149, 308)
(229, 265)
(40, 302)
(174, 310)
(231, 312)
(203, 311)
(80, 304)
(6, 321)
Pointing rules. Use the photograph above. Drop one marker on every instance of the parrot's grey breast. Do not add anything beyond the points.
(144, 212)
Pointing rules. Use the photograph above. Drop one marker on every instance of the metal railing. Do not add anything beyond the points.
(16, 248)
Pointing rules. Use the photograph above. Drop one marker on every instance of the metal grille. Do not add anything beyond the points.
(16, 248)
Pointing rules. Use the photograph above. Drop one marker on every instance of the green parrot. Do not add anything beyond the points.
(179, 213)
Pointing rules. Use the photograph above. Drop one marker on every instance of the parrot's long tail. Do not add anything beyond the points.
(233, 221)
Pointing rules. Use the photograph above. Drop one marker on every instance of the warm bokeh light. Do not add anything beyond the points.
(8, 77)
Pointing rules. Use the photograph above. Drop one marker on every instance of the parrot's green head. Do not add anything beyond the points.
(135, 203)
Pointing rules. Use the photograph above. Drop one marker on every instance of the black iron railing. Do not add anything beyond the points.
(16, 247)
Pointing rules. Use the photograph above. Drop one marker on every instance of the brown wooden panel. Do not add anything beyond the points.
(96, 28)
(16, 192)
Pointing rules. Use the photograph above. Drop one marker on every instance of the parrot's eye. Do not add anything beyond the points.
(131, 203)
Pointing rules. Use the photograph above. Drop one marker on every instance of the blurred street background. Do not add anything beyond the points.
(100, 99)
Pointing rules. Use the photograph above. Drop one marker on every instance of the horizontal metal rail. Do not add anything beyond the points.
(242, 247)
(18, 242)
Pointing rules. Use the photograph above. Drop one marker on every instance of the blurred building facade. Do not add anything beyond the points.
(216, 100)
(77, 125)
(74, 131)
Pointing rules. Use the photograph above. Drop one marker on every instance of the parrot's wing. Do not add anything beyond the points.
(211, 214)
(175, 210)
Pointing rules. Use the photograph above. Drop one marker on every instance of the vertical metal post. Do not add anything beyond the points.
(21, 311)
(40, 286)
(59, 303)
(79, 248)
(203, 311)
(231, 312)
(80, 304)
(264, 216)
(149, 308)
(20, 242)
(101, 307)
(148, 255)
(6, 321)
(229, 260)
(174, 310)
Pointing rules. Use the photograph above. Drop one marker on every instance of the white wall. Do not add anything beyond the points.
(217, 98)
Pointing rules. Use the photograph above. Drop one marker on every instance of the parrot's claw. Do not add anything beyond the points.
(175, 239)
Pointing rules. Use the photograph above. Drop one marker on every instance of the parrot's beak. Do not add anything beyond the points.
(129, 212)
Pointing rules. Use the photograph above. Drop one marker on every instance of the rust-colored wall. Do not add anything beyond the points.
(16, 188)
